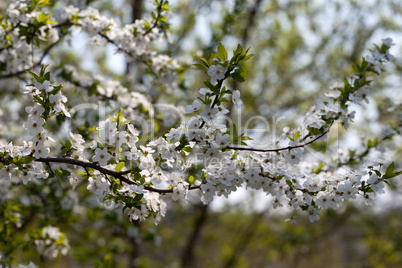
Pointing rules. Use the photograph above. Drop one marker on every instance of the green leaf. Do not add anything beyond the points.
(246, 138)
(43, 17)
(222, 53)
(120, 166)
(239, 74)
(58, 180)
(25, 159)
(318, 169)
(201, 66)
(191, 179)
(203, 61)
(213, 56)
(138, 197)
(66, 173)
(59, 172)
(238, 50)
(34, 76)
(388, 176)
(211, 87)
(390, 169)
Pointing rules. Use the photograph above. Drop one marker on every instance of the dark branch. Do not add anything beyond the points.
(116, 174)
(45, 52)
(156, 20)
(281, 149)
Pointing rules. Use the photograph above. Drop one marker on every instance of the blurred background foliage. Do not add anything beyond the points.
(300, 48)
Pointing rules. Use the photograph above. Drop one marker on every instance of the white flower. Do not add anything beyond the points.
(209, 192)
(146, 162)
(209, 113)
(220, 140)
(376, 64)
(313, 214)
(194, 107)
(388, 42)
(53, 35)
(180, 192)
(76, 141)
(34, 126)
(26, 148)
(348, 191)
(30, 90)
(376, 184)
(291, 219)
(101, 156)
(323, 200)
(35, 112)
(133, 189)
(134, 154)
(57, 102)
(52, 242)
(217, 72)
(315, 121)
(41, 152)
(236, 98)
(313, 184)
(387, 131)
(158, 176)
(44, 86)
(334, 91)
(204, 91)
(351, 80)
(73, 182)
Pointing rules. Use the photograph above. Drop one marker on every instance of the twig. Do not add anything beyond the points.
(45, 52)
(156, 20)
(116, 174)
(280, 149)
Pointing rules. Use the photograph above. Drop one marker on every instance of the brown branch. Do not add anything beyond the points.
(280, 149)
(187, 258)
(45, 52)
(244, 240)
(116, 174)
(219, 85)
(126, 52)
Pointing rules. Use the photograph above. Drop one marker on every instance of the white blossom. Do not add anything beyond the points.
(101, 156)
(217, 72)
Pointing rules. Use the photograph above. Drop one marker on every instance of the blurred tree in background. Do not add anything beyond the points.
(300, 48)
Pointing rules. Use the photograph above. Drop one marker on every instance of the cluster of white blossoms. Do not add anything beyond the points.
(133, 40)
(52, 242)
(126, 166)
(124, 173)
(19, 53)
(16, 53)
(162, 163)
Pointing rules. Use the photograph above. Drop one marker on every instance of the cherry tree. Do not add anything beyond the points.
(89, 130)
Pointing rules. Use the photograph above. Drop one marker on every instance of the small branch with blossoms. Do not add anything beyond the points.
(137, 189)
(124, 174)
(284, 148)
(38, 63)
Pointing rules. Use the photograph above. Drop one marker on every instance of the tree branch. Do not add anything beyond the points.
(280, 149)
(156, 20)
(187, 258)
(45, 52)
(116, 174)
